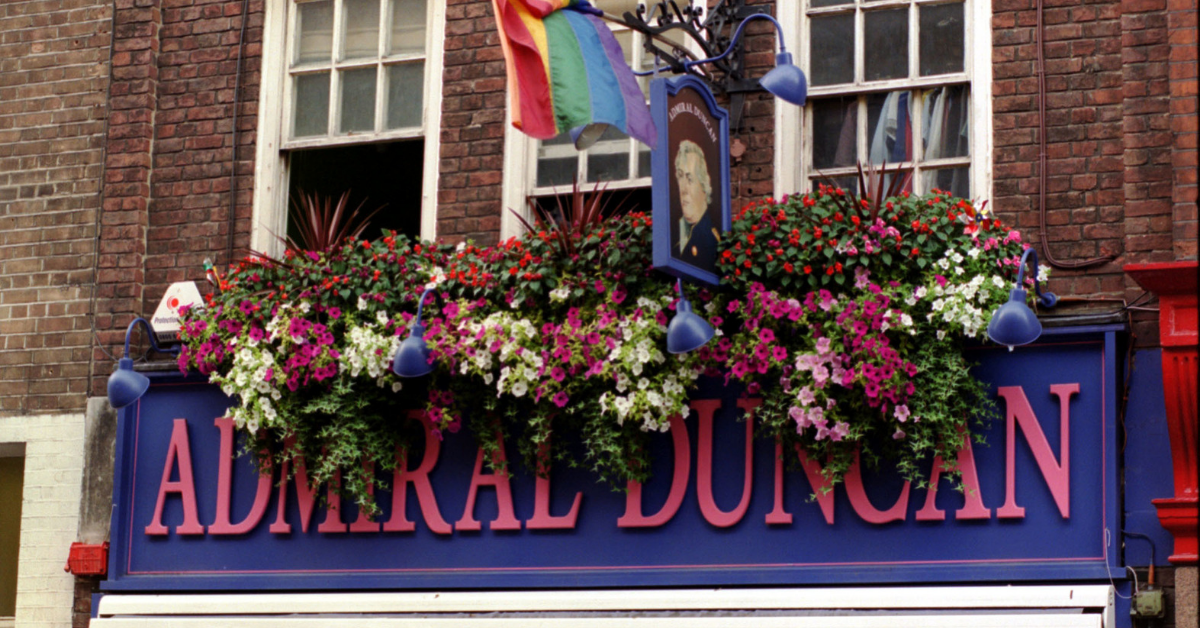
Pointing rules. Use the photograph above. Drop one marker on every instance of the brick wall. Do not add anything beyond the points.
(53, 79)
(167, 180)
(472, 134)
(1182, 71)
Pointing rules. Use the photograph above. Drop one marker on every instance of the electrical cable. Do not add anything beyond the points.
(1042, 161)
(233, 152)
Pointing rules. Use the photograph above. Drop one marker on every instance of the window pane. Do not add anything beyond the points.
(311, 112)
(946, 120)
(848, 183)
(828, 3)
(956, 181)
(557, 161)
(608, 158)
(832, 48)
(315, 28)
(408, 27)
(941, 39)
(643, 160)
(360, 24)
(406, 87)
(358, 100)
(889, 127)
(835, 125)
(886, 44)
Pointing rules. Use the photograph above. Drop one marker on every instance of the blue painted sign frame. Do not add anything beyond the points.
(685, 111)
(1041, 545)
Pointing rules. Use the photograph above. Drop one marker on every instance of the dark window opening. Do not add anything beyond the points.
(12, 483)
(384, 174)
(615, 203)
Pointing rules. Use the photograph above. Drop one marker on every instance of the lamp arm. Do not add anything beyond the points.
(1048, 299)
(737, 35)
(149, 334)
(421, 306)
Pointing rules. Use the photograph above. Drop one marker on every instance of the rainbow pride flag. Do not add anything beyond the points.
(566, 71)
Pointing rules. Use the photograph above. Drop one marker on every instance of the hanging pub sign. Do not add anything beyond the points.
(690, 178)
(721, 507)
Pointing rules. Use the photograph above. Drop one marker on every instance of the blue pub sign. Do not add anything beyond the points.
(1041, 503)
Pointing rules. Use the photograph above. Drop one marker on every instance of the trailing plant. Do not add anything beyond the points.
(849, 316)
(849, 324)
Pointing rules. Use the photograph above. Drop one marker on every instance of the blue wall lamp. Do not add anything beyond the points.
(687, 331)
(1014, 324)
(126, 385)
(412, 358)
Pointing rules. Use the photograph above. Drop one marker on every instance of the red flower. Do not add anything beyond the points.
(788, 268)
(808, 270)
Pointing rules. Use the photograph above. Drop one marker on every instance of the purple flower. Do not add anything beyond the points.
(779, 353)
(557, 374)
(767, 336)
(333, 312)
(599, 286)
(560, 399)
(246, 307)
(940, 280)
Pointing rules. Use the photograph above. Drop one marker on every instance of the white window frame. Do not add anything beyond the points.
(1055, 606)
(275, 111)
(793, 135)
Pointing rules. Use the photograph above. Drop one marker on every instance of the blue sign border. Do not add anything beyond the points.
(661, 172)
(1103, 339)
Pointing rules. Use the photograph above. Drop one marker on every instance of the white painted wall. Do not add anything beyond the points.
(49, 514)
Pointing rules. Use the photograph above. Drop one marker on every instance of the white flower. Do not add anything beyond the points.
(362, 303)
(519, 389)
(560, 294)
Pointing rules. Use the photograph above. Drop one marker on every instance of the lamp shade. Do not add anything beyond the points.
(125, 385)
(412, 358)
(786, 81)
(687, 331)
(1014, 324)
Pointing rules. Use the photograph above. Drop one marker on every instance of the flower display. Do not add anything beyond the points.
(847, 319)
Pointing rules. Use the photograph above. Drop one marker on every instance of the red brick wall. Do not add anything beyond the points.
(1182, 70)
(53, 79)
(472, 134)
(167, 180)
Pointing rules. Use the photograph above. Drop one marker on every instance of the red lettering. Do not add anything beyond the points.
(221, 524)
(419, 478)
(179, 453)
(862, 505)
(1056, 473)
(973, 507)
(505, 518)
(704, 462)
(633, 517)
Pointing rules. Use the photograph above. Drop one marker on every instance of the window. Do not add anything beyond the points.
(543, 170)
(357, 108)
(12, 482)
(894, 81)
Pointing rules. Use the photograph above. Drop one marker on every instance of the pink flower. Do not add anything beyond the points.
(560, 399)
(599, 286)
(779, 353)
(940, 280)
(767, 336)
(823, 346)
(839, 431)
(805, 396)
(898, 435)
(901, 413)
(557, 374)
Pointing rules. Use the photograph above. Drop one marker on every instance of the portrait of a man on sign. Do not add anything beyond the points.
(690, 178)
